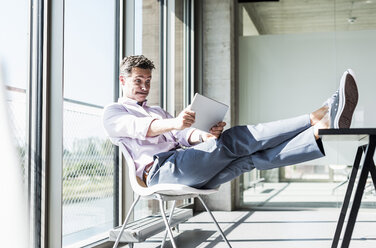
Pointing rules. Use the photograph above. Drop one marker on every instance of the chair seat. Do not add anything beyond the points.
(172, 190)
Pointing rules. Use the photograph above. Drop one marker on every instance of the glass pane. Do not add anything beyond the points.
(147, 42)
(179, 56)
(291, 57)
(88, 161)
(14, 69)
(180, 62)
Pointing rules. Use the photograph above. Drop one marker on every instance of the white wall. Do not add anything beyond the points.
(281, 76)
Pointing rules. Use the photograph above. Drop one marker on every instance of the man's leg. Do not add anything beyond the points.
(246, 140)
(271, 134)
(197, 165)
(301, 148)
(236, 168)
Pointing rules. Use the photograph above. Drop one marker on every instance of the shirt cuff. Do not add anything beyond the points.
(183, 136)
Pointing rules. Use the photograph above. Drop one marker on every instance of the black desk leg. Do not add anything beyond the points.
(347, 197)
(372, 169)
(368, 161)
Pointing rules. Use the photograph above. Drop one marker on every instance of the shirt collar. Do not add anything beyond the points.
(126, 100)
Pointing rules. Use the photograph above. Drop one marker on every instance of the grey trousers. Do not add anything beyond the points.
(238, 150)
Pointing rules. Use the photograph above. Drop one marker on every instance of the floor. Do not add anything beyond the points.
(270, 229)
(280, 221)
(307, 195)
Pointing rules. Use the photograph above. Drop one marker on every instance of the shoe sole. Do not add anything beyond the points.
(347, 101)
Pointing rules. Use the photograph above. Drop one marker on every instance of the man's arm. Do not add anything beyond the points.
(184, 120)
(118, 123)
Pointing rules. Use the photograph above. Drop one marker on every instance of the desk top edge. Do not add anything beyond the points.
(348, 131)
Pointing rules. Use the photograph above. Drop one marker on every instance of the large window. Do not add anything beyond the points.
(89, 79)
(59, 63)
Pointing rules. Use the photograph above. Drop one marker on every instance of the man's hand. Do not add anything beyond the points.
(199, 136)
(185, 119)
(217, 129)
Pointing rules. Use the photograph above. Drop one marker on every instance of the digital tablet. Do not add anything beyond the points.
(208, 112)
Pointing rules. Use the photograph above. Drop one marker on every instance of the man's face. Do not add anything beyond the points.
(137, 85)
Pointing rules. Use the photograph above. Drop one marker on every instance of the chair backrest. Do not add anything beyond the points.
(165, 189)
(131, 170)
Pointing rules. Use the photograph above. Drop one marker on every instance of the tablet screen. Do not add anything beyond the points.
(208, 112)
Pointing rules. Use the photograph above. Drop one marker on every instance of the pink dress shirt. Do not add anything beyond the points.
(128, 123)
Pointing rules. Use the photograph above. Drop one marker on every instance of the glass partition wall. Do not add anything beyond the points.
(291, 57)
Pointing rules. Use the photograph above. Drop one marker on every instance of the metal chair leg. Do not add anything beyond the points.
(168, 228)
(215, 221)
(169, 222)
(125, 222)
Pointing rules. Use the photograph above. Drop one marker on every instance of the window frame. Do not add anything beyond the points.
(53, 116)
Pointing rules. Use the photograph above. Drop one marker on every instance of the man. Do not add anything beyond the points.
(169, 150)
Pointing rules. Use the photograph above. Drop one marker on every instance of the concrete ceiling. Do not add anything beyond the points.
(306, 16)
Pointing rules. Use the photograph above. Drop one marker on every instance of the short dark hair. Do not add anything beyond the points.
(139, 61)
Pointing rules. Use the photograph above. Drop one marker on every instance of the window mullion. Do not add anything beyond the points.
(54, 135)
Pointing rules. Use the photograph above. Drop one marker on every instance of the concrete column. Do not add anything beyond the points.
(218, 53)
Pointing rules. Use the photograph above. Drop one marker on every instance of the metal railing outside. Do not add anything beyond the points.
(88, 165)
(88, 173)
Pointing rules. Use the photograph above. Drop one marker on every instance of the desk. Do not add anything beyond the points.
(367, 144)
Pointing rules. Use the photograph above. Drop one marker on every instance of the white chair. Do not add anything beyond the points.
(163, 193)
